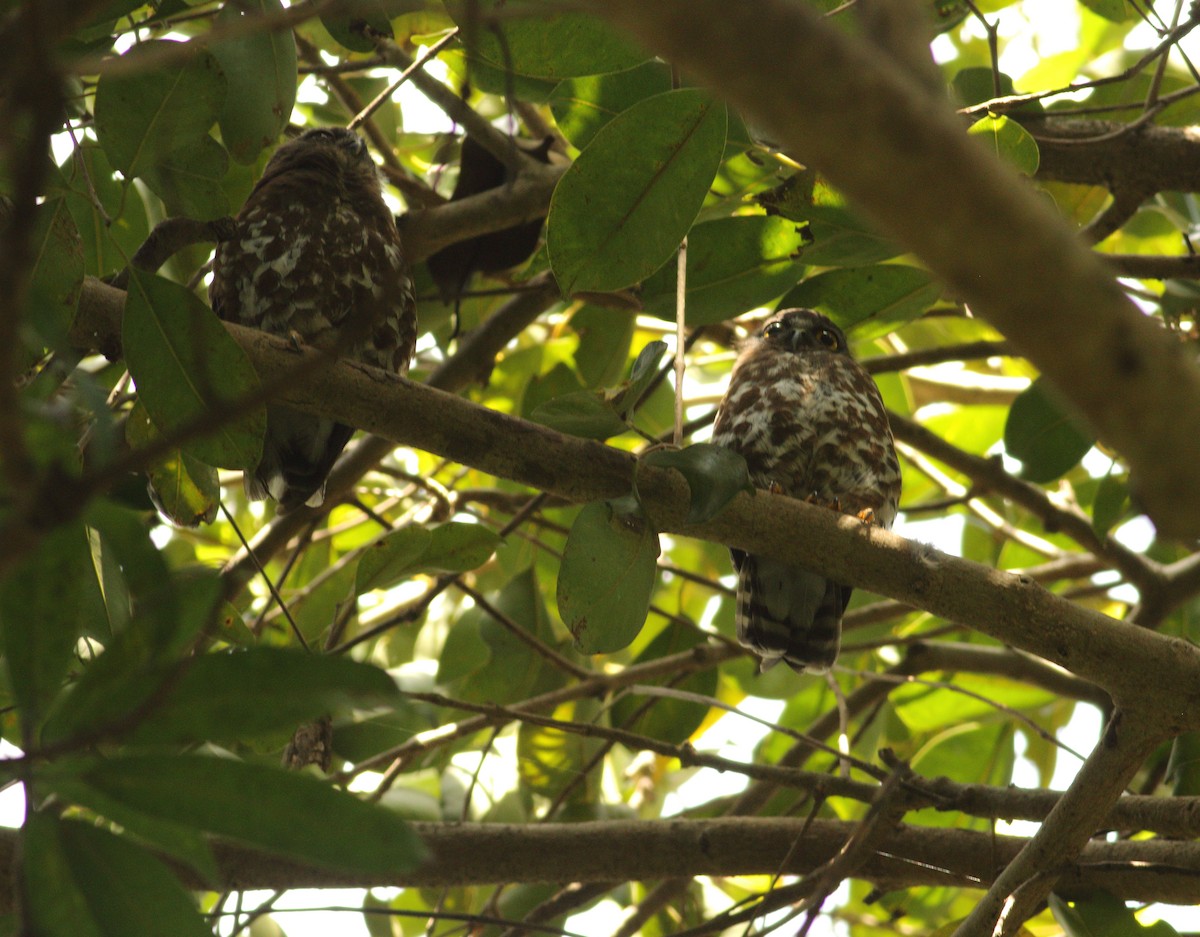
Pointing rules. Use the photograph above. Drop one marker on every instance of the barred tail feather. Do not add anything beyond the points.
(788, 614)
(298, 452)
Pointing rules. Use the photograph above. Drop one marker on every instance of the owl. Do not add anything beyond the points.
(810, 424)
(316, 257)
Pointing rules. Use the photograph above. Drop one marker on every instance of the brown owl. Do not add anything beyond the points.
(810, 424)
(316, 257)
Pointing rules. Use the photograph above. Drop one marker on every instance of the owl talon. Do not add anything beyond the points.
(866, 515)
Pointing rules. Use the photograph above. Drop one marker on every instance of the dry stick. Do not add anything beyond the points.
(391, 89)
(680, 329)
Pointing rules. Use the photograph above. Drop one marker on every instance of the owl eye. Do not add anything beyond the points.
(773, 329)
(827, 338)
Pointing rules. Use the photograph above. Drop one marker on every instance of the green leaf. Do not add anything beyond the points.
(57, 275)
(170, 96)
(1008, 140)
(389, 558)
(551, 762)
(1039, 431)
(641, 375)
(235, 696)
(582, 413)
(82, 880)
(267, 808)
(184, 489)
(41, 602)
(348, 29)
(622, 208)
(733, 264)
(1116, 11)
(671, 720)
(871, 301)
(484, 661)
(260, 68)
(557, 45)
(607, 573)
(188, 180)
(715, 476)
(1183, 769)
(453, 547)
(605, 336)
(109, 240)
(185, 364)
(835, 236)
(1103, 915)
(581, 106)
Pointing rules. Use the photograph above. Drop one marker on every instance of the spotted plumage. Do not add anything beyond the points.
(810, 423)
(316, 257)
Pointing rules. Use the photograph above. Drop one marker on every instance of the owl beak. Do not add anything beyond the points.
(798, 340)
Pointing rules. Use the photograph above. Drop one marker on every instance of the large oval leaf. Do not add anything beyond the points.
(581, 106)
(159, 104)
(260, 68)
(733, 265)
(870, 300)
(79, 880)
(185, 490)
(185, 365)
(622, 208)
(259, 806)
(1043, 435)
(556, 45)
(57, 275)
(188, 179)
(606, 577)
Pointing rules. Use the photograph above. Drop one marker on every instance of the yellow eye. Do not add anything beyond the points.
(773, 328)
(828, 339)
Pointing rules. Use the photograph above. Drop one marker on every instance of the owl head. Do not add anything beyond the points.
(335, 152)
(802, 331)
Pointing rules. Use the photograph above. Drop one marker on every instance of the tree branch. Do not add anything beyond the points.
(1011, 608)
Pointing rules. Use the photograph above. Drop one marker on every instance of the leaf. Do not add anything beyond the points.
(185, 364)
(871, 301)
(581, 106)
(555, 45)
(715, 476)
(386, 561)
(1116, 11)
(157, 106)
(1103, 915)
(184, 489)
(260, 69)
(82, 880)
(671, 720)
(582, 413)
(605, 336)
(188, 180)
(235, 696)
(622, 208)
(453, 547)
(641, 375)
(348, 29)
(288, 814)
(107, 241)
(835, 236)
(1008, 140)
(551, 762)
(1039, 432)
(57, 275)
(41, 601)
(607, 573)
(733, 264)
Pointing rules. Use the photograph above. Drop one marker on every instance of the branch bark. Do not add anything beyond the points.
(1012, 608)
(901, 155)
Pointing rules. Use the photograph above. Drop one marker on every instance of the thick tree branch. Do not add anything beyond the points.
(491, 853)
(1011, 608)
(901, 155)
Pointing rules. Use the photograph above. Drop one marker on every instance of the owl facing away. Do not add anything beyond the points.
(810, 424)
(316, 257)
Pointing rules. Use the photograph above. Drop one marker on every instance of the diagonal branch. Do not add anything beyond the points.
(1012, 608)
